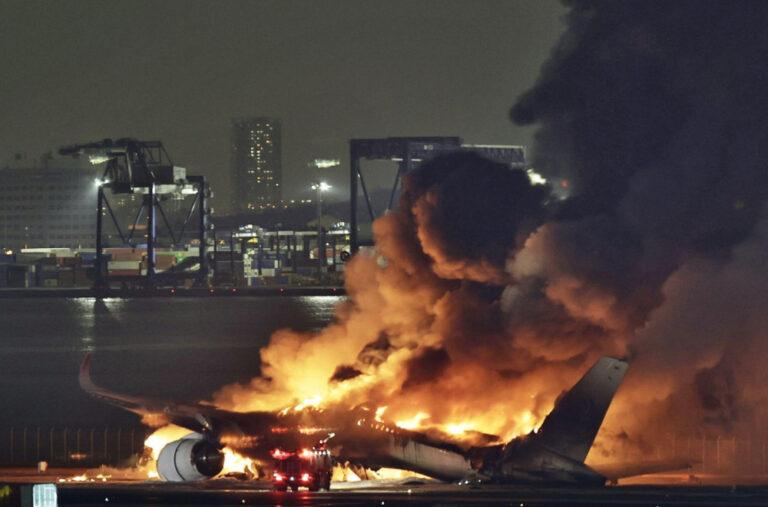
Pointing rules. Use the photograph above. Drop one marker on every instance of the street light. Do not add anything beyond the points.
(319, 188)
(325, 163)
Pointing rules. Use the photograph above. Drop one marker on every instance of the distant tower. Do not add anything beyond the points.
(256, 171)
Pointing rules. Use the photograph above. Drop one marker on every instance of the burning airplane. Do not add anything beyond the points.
(488, 295)
(554, 453)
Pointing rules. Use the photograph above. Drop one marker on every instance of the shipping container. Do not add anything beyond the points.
(83, 277)
(28, 258)
(118, 264)
(66, 277)
(127, 256)
(87, 257)
(12, 275)
(124, 272)
(67, 261)
(164, 262)
(306, 271)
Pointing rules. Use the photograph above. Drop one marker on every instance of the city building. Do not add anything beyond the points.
(256, 171)
(48, 207)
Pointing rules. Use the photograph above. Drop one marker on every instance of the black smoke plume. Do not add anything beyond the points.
(652, 126)
(486, 296)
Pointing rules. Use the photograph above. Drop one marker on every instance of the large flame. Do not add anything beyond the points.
(421, 337)
(470, 331)
(233, 461)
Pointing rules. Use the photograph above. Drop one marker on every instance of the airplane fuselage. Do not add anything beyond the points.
(521, 461)
(531, 462)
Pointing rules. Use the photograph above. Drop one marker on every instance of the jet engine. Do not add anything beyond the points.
(191, 458)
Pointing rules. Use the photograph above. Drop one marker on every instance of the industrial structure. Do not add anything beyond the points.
(144, 168)
(256, 165)
(407, 152)
(148, 234)
(253, 256)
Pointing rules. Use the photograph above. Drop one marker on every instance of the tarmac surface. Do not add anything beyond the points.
(381, 493)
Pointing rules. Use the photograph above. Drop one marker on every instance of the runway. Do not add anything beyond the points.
(443, 495)
(382, 493)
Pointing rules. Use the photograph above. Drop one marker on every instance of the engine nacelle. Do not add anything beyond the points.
(191, 458)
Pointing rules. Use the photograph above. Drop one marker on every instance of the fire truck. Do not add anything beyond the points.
(307, 467)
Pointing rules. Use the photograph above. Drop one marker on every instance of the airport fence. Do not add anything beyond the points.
(722, 455)
(70, 447)
(719, 456)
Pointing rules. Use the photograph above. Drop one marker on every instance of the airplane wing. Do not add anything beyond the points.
(135, 404)
(158, 412)
(615, 471)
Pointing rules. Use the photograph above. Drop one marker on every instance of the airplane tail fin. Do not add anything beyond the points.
(572, 425)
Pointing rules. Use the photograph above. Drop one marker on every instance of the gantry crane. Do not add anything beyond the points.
(144, 167)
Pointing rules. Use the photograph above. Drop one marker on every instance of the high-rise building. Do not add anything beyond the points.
(256, 172)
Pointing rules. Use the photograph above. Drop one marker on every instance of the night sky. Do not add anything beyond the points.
(179, 71)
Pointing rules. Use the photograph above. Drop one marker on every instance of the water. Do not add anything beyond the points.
(182, 349)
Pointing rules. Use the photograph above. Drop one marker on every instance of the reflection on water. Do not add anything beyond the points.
(88, 310)
(182, 348)
(319, 306)
(147, 323)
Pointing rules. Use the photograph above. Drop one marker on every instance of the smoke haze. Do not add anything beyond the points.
(487, 295)
(651, 111)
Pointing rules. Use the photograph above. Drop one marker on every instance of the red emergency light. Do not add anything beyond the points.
(278, 453)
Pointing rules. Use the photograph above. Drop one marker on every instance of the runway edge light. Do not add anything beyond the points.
(29, 495)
